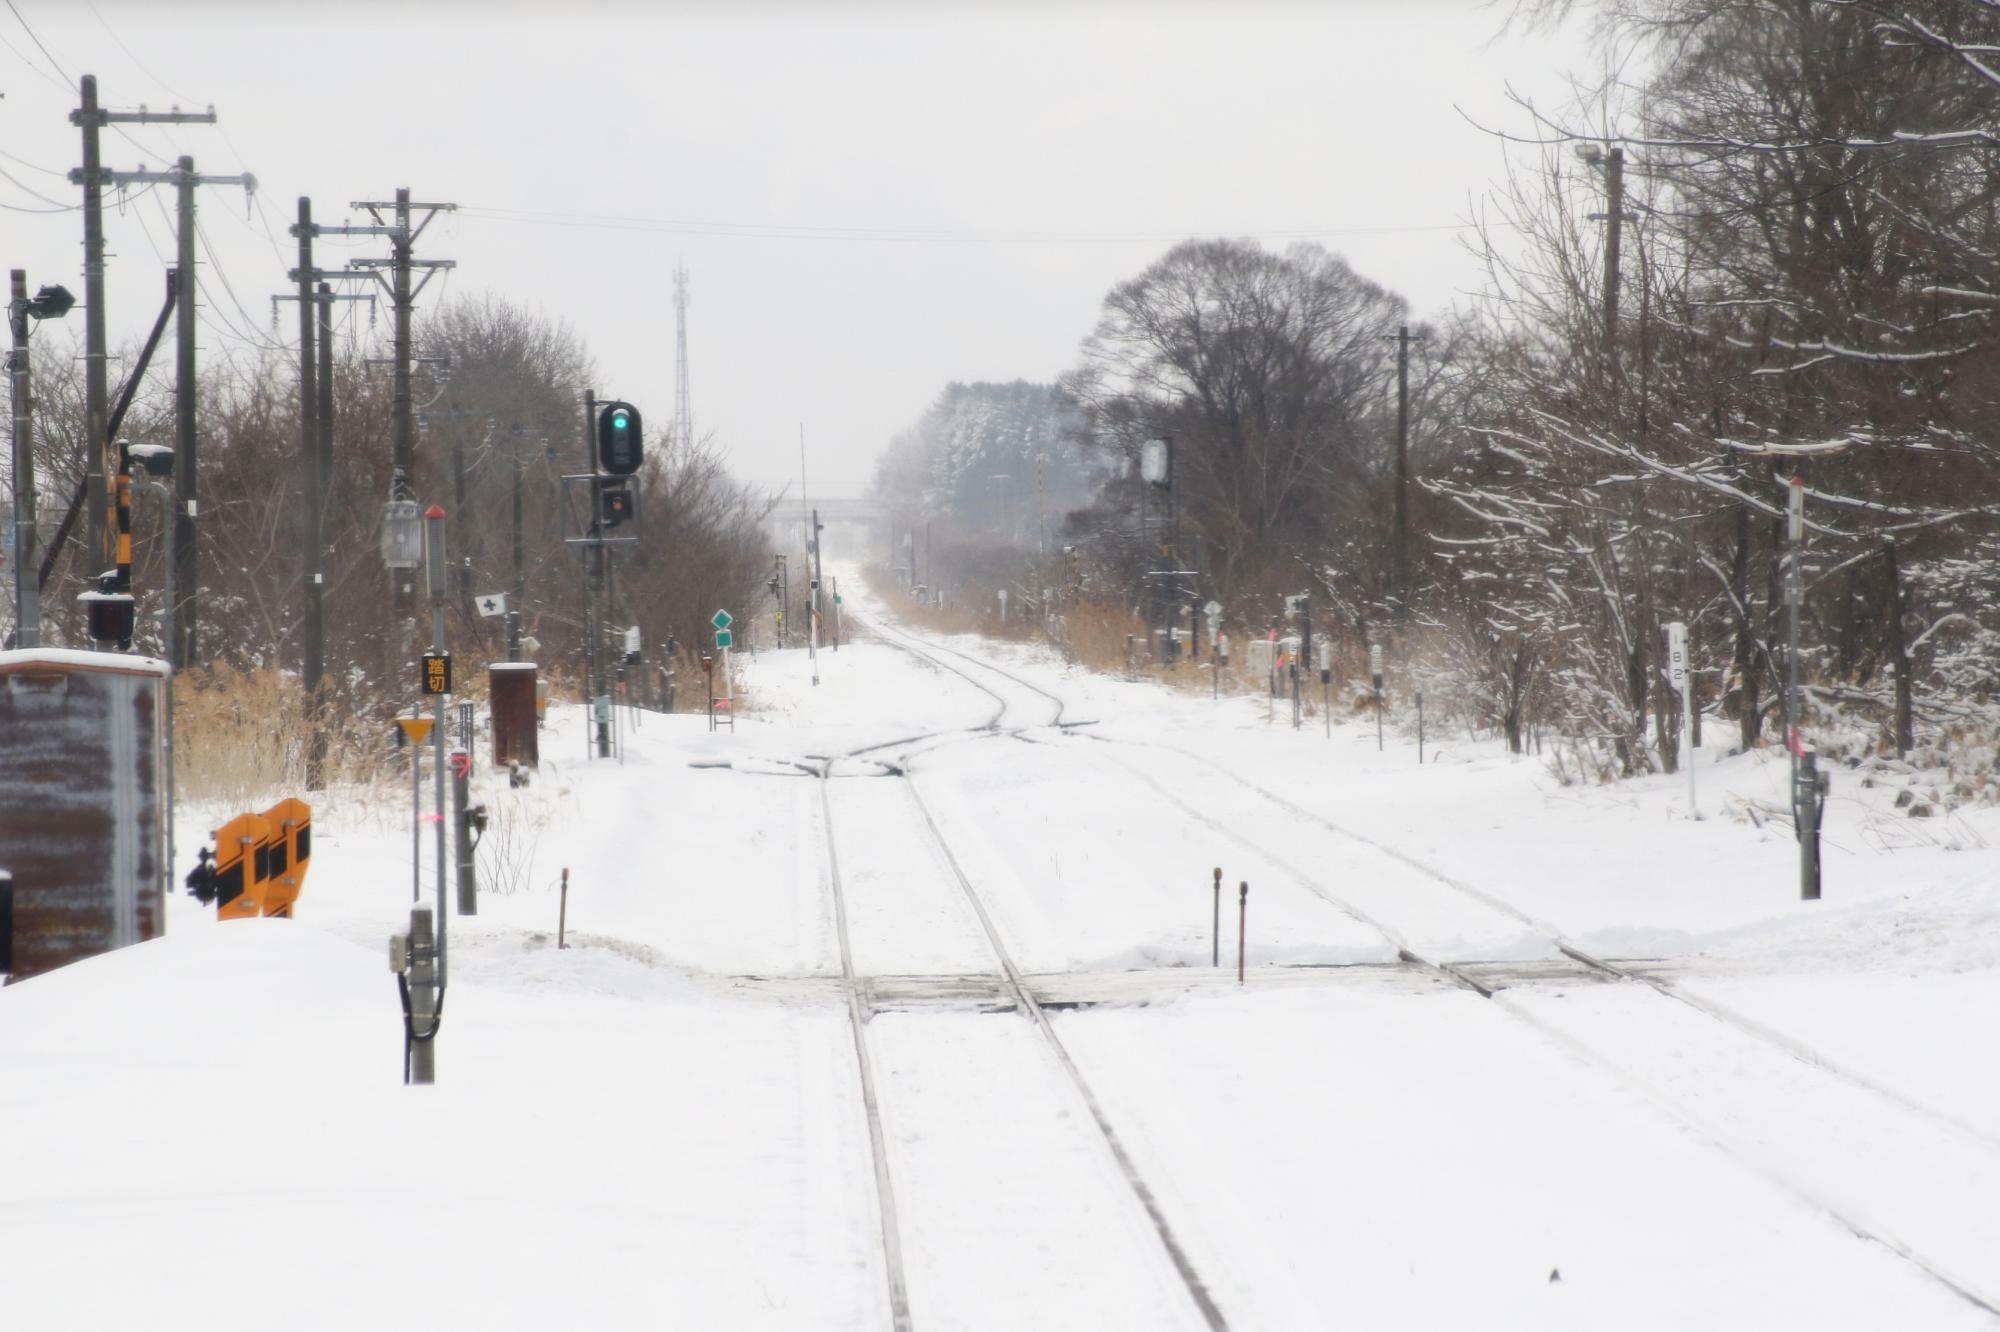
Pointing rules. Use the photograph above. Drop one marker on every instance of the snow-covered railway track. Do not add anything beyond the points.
(1027, 696)
(1559, 944)
(1677, 1058)
(1864, 1155)
(1037, 1100)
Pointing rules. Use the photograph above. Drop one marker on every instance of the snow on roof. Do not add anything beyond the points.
(125, 662)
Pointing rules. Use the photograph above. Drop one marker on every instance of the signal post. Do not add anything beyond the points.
(611, 502)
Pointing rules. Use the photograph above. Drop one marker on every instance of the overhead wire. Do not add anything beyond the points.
(923, 235)
(54, 64)
(215, 266)
(33, 64)
(59, 205)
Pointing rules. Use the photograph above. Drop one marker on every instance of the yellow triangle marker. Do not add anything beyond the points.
(417, 728)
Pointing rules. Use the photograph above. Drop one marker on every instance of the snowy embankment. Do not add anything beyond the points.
(662, 1124)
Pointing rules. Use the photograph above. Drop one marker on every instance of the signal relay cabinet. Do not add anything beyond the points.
(82, 803)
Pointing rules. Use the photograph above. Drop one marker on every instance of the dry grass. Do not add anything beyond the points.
(242, 736)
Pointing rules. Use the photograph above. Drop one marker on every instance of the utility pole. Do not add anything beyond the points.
(1399, 572)
(520, 589)
(1614, 219)
(184, 179)
(403, 292)
(818, 573)
(27, 588)
(187, 468)
(316, 472)
(313, 651)
(683, 413)
(91, 119)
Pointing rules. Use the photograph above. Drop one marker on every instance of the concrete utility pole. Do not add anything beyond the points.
(683, 413)
(316, 470)
(1399, 572)
(1614, 218)
(313, 667)
(91, 119)
(1614, 225)
(520, 589)
(27, 588)
(186, 470)
(184, 179)
(403, 292)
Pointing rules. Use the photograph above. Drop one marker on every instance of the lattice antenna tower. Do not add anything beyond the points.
(683, 415)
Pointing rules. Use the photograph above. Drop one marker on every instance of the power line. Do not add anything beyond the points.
(53, 62)
(31, 64)
(33, 166)
(60, 206)
(216, 266)
(140, 64)
(924, 235)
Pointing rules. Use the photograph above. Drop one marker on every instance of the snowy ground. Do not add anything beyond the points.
(1794, 1123)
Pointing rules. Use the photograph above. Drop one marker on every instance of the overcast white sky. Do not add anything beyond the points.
(871, 200)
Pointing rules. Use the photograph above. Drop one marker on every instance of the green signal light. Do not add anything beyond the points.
(619, 420)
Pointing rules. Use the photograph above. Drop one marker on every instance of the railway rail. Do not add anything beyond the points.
(1472, 977)
(864, 994)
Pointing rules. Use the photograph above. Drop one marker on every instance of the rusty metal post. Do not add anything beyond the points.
(1242, 923)
(1215, 939)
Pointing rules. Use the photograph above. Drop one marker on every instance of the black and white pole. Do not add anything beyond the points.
(1420, 728)
(1375, 671)
(1326, 683)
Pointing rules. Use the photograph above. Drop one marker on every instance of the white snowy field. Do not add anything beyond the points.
(663, 1125)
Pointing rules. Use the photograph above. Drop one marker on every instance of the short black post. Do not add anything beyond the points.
(1420, 728)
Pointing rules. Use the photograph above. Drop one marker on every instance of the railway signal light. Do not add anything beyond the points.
(619, 448)
(615, 503)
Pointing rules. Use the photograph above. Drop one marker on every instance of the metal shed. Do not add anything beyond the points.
(82, 802)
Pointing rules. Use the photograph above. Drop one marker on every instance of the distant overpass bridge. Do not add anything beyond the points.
(856, 526)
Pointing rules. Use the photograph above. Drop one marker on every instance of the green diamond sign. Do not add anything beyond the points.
(723, 638)
(722, 619)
